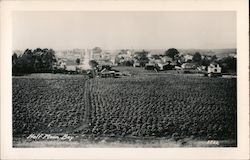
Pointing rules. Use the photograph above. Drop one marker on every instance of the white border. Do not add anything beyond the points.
(241, 152)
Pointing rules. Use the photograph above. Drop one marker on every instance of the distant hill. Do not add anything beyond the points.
(220, 53)
(73, 54)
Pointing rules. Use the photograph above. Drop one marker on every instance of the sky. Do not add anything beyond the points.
(124, 29)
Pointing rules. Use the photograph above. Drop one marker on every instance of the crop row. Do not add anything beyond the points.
(170, 106)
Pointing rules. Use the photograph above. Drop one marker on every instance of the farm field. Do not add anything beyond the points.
(168, 106)
(47, 103)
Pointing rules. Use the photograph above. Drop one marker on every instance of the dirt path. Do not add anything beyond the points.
(87, 107)
(87, 101)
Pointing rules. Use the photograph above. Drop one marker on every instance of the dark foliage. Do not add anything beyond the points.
(78, 61)
(197, 58)
(142, 58)
(229, 64)
(126, 63)
(205, 61)
(37, 61)
(172, 53)
(93, 63)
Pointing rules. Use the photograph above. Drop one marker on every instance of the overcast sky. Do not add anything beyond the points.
(120, 30)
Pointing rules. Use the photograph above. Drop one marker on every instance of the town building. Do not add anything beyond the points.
(214, 68)
(188, 57)
(188, 66)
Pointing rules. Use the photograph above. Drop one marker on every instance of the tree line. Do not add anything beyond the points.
(33, 61)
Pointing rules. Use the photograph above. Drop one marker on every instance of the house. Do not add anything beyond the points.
(166, 59)
(125, 55)
(177, 68)
(160, 66)
(209, 57)
(173, 64)
(61, 63)
(158, 60)
(96, 56)
(150, 66)
(214, 68)
(105, 63)
(188, 66)
(201, 68)
(150, 56)
(71, 68)
(106, 56)
(136, 64)
(165, 66)
(188, 57)
(160, 63)
(234, 55)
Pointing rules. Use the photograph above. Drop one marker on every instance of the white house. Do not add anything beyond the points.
(149, 55)
(188, 66)
(188, 57)
(61, 63)
(166, 59)
(125, 55)
(136, 64)
(214, 68)
(201, 68)
(71, 68)
(233, 55)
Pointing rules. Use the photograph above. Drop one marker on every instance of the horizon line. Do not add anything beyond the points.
(130, 48)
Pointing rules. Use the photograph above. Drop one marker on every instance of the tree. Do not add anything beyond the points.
(93, 63)
(229, 64)
(39, 60)
(14, 62)
(213, 58)
(26, 61)
(14, 59)
(48, 58)
(205, 61)
(78, 61)
(142, 57)
(38, 50)
(172, 53)
(197, 58)
(97, 50)
(127, 63)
